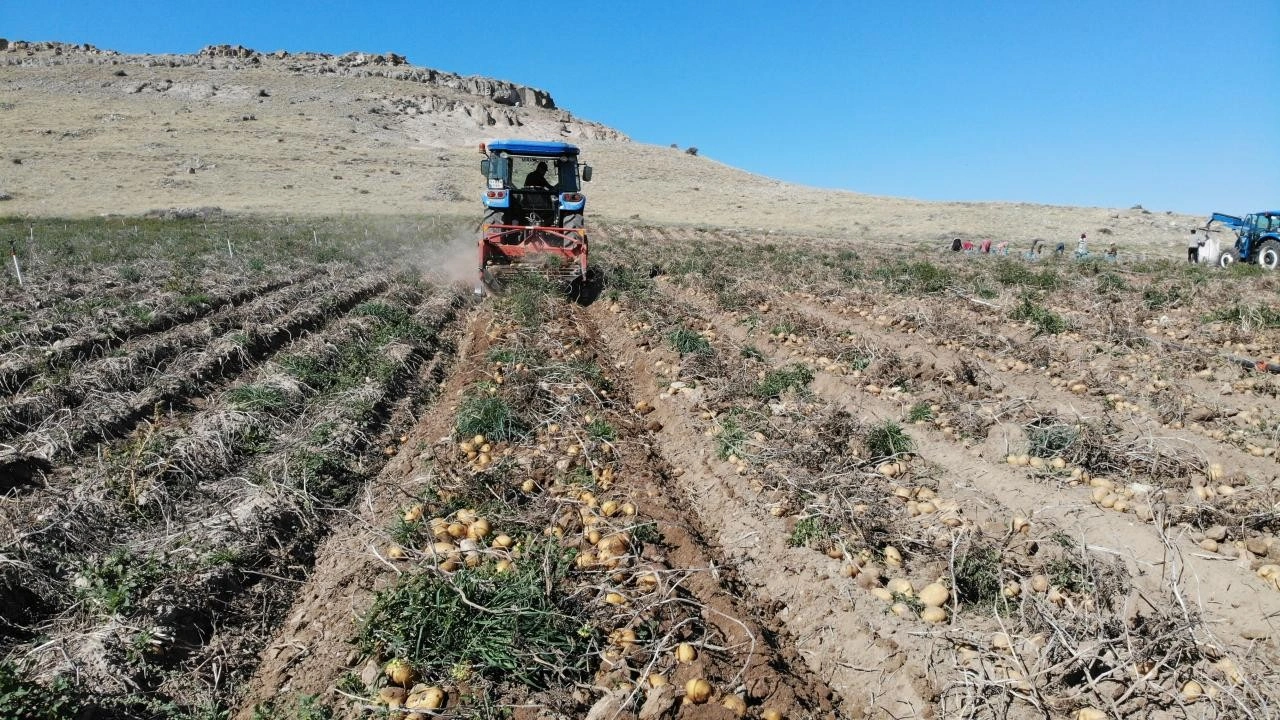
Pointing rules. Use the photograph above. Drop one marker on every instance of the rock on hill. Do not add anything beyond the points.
(90, 131)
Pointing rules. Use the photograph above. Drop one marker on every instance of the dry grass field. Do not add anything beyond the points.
(796, 461)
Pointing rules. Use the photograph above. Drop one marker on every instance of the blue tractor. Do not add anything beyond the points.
(1257, 238)
(533, 219)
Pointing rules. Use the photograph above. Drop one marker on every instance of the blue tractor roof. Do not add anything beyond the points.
(533, 147)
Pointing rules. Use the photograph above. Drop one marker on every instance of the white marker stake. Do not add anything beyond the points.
(16, 268)
(230, 252)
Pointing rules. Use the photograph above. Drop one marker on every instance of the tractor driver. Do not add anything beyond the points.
(537, 178)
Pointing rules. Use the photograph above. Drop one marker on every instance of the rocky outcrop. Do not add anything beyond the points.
(352, 64)
(480, 102)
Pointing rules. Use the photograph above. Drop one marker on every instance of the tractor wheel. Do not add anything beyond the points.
(572, 221)
(492, 217)
(1228, 258)
(1269, 254)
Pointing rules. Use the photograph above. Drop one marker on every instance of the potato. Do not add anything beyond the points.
(933, 615)
(902, 610)
(934, 595)
(686, 653)
(479, 529)
(399, 672)
(900, 586)
(697, 691)
(431, 698)
(736, 704)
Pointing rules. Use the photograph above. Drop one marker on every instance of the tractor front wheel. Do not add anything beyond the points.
(1269, 254)
(1228, 258)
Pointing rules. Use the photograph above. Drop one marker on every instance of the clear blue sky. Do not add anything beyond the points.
(1174, 104)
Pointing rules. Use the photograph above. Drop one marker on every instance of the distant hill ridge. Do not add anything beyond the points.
(352, 64)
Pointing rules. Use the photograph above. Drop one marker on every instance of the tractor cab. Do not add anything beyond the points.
(533, 217)
(528, 182)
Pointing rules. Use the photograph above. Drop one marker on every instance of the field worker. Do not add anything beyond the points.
(537, 178)
(986, 246)
(968, 245)
(1002, 248)
(956, 245)
(1062, 248)
(1082, 248)
(1193, 247)
(1113, 253)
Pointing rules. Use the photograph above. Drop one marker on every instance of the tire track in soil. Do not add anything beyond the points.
(1213, 582)
(307, 656)
(842, 635)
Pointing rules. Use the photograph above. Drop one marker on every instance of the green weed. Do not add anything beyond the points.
(114, 583)
(1051, 439)
(1249, 316)
(257, 398)
(498, 626)
(919, 412)
(490, 416)
(1160, 298)
(887, 440)
(776, 382)
(977, 579)
(601, 430)
(732, 436)
(688, 342)
(808, 531)
(23, 699)
(1069, 574)
(920, 276)
(1014, 273)
(1046, 321)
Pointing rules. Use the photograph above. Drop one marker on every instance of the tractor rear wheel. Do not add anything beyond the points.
(1269, 254)
(492, 217)
(1228, 258)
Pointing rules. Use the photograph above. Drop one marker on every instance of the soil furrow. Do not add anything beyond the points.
(14, 373)
(145, 358)
(190, 376)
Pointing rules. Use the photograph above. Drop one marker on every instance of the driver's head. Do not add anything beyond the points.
(542, 166)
